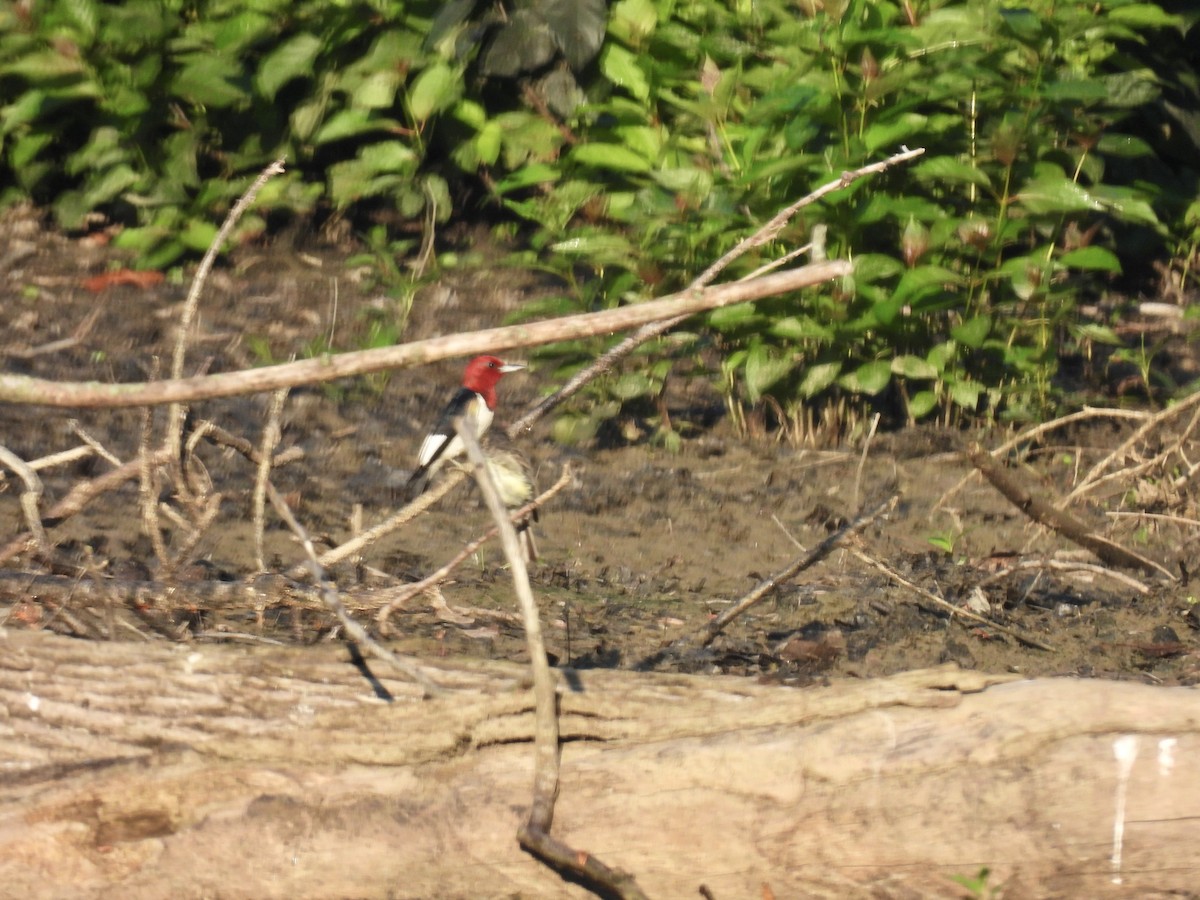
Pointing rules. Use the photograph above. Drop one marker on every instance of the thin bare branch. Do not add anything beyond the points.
(1041, 509)
(270, 439)
(546, 750)
(949, 608)
(30, 497)
(187, 317)
(409, 667)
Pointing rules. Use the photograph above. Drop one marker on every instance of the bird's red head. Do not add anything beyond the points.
(482, 375)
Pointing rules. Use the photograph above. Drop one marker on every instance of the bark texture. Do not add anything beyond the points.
(151, 770)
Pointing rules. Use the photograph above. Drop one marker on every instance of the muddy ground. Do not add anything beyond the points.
(643, 548)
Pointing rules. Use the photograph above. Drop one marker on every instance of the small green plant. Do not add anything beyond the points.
(977, 885)
(945, 541)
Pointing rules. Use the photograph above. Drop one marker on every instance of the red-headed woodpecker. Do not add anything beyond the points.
(475, 401)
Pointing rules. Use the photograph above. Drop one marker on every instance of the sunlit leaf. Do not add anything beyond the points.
(764, 370)
(1091, 258)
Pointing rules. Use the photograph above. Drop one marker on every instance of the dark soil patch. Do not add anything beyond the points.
(644, 548)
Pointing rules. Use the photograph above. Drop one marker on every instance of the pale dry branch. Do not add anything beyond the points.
(546, 749)
(270, 439)
(92, 443)
(177, 412)
(1035, 432)
(79, 497)
(391, 524)
(30, 497)
(1092, 478)
(1068, 567)
(534, 833)
(22, 389)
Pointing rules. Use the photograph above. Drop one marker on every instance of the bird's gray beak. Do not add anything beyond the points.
(511, 367)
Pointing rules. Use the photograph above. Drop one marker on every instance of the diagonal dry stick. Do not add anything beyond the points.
(354, 631)
(1043, 511)
(764, 588)
(948, 608)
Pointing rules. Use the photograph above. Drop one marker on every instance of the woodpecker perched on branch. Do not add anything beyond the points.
(475, 401)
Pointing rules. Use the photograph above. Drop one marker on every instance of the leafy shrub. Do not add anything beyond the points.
(639, 142)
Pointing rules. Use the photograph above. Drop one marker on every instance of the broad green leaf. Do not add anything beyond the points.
(1143, 15)
(921, 404)
(487, 143)
(632, 21)
(734, 317)
(801, 328)
(435, 89)
(1100, 334)
(210, 81)
(622, 69)
(524, 44)
(291, 59)
(377, 91)
(892, 131)
(1091, 259)
(869, 378)
(632, 385)
(913, 367)
(1056, 194)
(609, 156)
(973, 332)
(347, 123)
(764, 370)
(198, 235)
(966, 393)
(949, 169)
(600, 249)
(577, 26)
(527, 176)
(1125, 145)
(818, 377)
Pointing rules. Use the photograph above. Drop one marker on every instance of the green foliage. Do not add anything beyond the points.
(638, 141)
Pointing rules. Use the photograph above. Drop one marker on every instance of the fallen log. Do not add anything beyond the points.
(152, 770)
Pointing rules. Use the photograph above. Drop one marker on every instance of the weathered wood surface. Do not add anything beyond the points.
(151, 770)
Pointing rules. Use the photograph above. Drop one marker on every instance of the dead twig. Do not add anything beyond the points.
(534, 834)
(1092, 478)
(354, 631)
(1067, 567)
(79, 497)
(946, 607)
(177, 411)
(1033, 433)
(1043, 511)
(30, 497)
(818, 553)
(270, 439)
